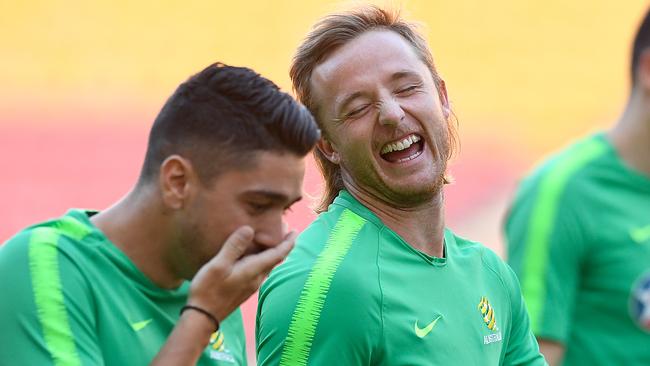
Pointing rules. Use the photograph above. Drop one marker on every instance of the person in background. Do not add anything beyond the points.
(578, 235)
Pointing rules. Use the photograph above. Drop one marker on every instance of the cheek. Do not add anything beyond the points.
(350, 143)
(440, 135)
(435, 124)
(235, 219)
(218, 225)
(357, 152)
(425, 104)
(430, 114)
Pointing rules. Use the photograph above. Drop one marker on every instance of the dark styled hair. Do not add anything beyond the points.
(332, 32)
(220, 117)
(641, 43)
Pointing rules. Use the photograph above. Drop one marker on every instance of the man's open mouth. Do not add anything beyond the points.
(405, 149)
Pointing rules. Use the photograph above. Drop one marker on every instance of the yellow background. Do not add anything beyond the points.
(524, 78)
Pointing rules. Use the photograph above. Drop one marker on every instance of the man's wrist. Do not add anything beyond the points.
(213, 319)
(197, 323)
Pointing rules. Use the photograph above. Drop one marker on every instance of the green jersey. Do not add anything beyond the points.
(353, 292)
(71, 297)
(579, 239)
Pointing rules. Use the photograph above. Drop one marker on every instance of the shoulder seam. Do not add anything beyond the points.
(500, 278)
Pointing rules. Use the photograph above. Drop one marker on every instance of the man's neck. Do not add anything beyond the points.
(631, 135)
(135, 227)
(421, 226)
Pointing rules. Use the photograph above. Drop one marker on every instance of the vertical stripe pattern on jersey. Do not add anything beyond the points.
(48, 296)
(541, 223)
(312, 297)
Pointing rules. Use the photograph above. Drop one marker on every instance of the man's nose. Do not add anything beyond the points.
(270, 232)
(390, 112)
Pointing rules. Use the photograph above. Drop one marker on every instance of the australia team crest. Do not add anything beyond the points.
(490, 319)
(217, 348)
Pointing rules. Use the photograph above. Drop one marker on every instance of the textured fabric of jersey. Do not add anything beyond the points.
(71, 297)
(353, 292)
(579, 240)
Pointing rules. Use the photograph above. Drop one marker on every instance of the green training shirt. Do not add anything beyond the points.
(579, 239)
(353, 292)
(71, 297)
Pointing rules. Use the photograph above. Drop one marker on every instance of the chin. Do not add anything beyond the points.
(415, 198)
(418, 194)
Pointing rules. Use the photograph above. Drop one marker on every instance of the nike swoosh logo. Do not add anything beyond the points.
(422, 332)
(641, 234)
(138, 326)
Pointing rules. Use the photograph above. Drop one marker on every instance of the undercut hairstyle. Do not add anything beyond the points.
(221, 117)
(641, 43)
(329, 34)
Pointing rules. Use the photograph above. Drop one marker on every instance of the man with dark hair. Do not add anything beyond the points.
(578, 237)
(377, 279)
(225, 159)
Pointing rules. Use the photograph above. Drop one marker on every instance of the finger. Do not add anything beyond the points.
(285, 228)
(237, 244)
(291, 235)
(263, 262)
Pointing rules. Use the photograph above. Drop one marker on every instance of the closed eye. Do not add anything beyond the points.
(357, 112)
(261, 202)
(408, 90)
(255, 208)
(258, 208)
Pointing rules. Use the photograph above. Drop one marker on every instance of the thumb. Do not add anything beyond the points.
(237, 243)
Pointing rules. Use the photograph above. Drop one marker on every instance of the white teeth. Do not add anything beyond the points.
(400, 145)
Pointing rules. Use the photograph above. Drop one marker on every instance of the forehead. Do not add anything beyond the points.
(281, 173)
(372, 55)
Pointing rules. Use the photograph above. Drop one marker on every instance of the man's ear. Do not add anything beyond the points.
(329, 151)
(643, 71)
(177, 179)
(444, 100)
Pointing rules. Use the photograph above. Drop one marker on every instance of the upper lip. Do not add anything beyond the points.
(393, 145)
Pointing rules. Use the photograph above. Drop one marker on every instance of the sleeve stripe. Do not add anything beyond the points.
(48, 296)
(312, 297)
(541, 223)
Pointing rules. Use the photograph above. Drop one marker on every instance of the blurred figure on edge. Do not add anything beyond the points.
(578, 237)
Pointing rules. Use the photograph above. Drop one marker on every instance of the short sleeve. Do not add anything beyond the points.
(546, 246)
(46, 311)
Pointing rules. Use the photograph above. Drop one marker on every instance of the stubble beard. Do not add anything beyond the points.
(398, 197)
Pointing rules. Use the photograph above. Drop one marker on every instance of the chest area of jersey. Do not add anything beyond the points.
(445, 319)
(620, 219)
(139, 326)
(143, 341)
(617, 263)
